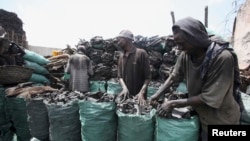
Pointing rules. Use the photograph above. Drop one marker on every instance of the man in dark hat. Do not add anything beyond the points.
(133, 68)
(79, 67)
(210, 71)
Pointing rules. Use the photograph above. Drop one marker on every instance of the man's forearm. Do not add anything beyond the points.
(144, 86)
(165, 86)
(193, 101)
(122, 83)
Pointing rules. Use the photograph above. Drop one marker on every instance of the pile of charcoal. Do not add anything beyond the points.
(10, 21)
(62, 98)
(131, 106)
(183, 112)
(104, 54)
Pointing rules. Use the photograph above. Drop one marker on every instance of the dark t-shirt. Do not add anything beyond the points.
(216, 91)
(134, 69)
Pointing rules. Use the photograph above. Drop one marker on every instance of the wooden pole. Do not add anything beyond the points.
(206, 16)
(173, 18)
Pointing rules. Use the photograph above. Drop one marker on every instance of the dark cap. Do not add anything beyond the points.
(126, 34)
(81, 48)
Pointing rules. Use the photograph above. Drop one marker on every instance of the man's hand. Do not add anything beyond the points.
(165, 108)
(153, 100)
(141, 99)
(123, 95)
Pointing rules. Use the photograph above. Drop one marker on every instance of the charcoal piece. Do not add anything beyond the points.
(95, 55)
(155, 43)
(130, 106)
(110, 46)
(169, 58)
(164, 71)
(97, 42)
(155, 58)
(154, 72)
(140, 42)
(107, 59)
(114, 71)
(116, 56)
(101, 72)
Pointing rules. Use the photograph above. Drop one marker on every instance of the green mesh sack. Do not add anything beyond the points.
(97, 86)
(177, 129)
(98, 46)
(6, 134)
(38, 78)
(113, 87)
(245, 114)
(35, 57)
(17, 112)
(66, 76)
(182, 87)
(3, 117)
(136, 127)
(151, 91)
(98, 120)
(38, 119)
(64, 122)
(36, 67)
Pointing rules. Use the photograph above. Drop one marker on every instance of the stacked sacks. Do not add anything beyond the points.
(5, 124)
(24, 113)
(95, 54)
(105, 53)
(36, 62)
(162, 54)
(102, 53)
(64, 119)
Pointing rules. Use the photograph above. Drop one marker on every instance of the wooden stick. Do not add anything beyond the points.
(206, 16)
(173, 18)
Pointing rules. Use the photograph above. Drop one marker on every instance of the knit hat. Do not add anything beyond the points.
(126, 34)
(81, 49)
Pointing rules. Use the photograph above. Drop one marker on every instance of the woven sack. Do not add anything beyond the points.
(14, 74)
